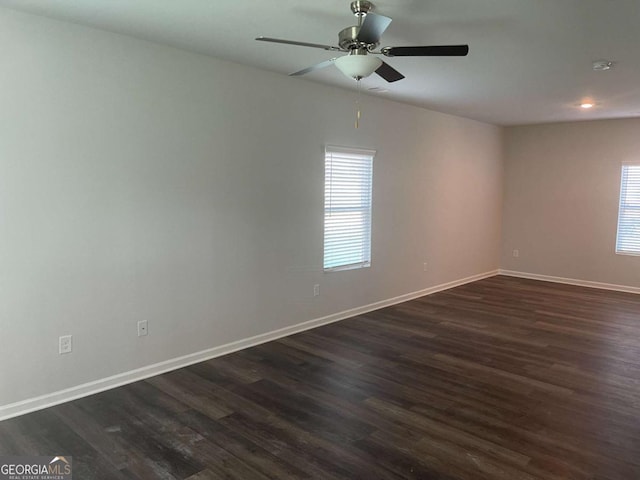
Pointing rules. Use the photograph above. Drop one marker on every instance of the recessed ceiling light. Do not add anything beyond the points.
(602, 65)
(586, 106)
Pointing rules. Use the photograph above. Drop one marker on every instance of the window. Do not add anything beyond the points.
(348, 176)
(628, 239)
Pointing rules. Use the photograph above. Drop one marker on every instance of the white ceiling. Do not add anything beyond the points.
(529, 61)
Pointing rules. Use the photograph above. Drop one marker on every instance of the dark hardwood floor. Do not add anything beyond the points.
(500, 379)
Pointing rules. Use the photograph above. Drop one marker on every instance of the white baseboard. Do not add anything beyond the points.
(86, 389)
(571, 281)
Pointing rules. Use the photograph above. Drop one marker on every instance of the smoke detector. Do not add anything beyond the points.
(602, 65)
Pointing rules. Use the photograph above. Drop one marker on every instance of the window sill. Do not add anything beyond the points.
(629, 254)
(348, 267)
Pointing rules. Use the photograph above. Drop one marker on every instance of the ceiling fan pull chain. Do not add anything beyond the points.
(358, 104)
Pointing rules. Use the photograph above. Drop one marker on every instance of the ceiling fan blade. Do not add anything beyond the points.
(373, 27)
(389, 73)
(317, 66)
(432, 51)
(301, 44)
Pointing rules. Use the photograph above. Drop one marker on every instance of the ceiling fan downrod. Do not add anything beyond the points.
(348, 37)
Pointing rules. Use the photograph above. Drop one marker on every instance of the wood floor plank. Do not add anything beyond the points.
(503, 378)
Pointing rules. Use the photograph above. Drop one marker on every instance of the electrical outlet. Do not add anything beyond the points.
(316, 290)
(65, 344)
(424, 267)
(143, 328)
(516, 253)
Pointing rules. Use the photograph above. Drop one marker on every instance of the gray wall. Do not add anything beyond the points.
(562, 186)
(143, 182)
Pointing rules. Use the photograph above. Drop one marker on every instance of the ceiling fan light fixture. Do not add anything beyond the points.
(358, 66)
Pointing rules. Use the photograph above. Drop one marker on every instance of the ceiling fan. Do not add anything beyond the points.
(360, 43)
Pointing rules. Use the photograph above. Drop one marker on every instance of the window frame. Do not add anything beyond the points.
(624, 207)
(367, 156)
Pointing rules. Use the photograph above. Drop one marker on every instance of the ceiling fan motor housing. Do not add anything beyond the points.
(348, 39)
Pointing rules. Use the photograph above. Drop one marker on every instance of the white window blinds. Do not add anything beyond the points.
(348, 177)
(628, 239)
